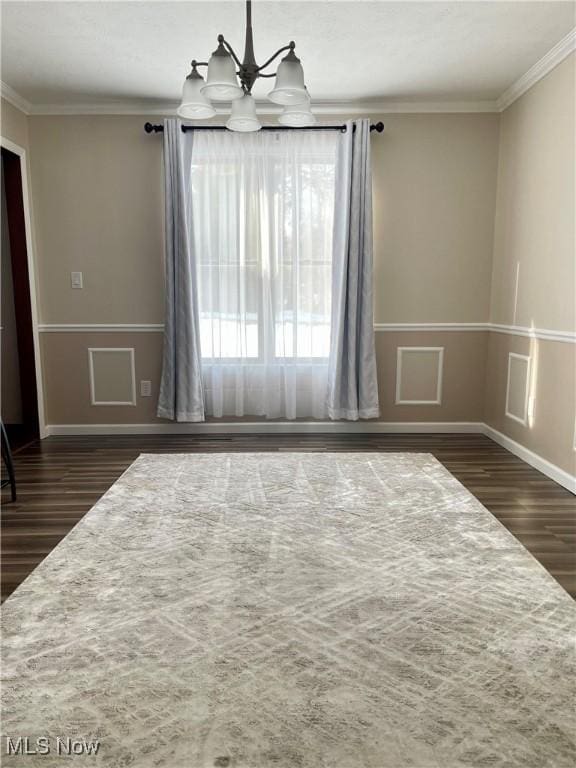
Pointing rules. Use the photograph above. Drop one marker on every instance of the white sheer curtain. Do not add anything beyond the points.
(263, 208)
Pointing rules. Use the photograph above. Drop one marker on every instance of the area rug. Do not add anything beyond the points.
(286, 610)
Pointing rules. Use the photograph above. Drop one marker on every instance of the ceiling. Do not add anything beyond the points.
(82, 54)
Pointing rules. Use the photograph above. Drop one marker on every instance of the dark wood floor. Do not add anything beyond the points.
(61, 478)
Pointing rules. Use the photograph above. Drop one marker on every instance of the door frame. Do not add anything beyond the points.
(30, 255)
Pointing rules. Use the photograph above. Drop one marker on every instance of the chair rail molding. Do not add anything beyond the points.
(101, 327)
(391, 327)
(515, 330)
(544, 334)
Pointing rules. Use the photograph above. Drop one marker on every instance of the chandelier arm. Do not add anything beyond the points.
(271, 59)
(231, 51)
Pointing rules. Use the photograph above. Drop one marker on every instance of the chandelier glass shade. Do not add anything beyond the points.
(297, 115)
(243, 117)
(221, 82)
(194, 105)
(230, 80)
(289, 87)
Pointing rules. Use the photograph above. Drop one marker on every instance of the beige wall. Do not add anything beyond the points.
(98, 195)
(462, 376)
(534, 272)
(459, 201)
(534, 266)
(66, 376)
(67, 382)
(434, 181)
(14, 124)
(551, 412)
(97, 192)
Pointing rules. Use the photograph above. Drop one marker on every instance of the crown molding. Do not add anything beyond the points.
(383, 107)
(368, 107)
(546, 64)
(14, 98)
(374, 107)
(130, 107)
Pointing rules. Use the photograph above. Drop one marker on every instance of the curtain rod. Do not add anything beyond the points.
(151, 128)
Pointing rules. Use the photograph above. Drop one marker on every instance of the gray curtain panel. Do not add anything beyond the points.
(181, 393)
(352, 383)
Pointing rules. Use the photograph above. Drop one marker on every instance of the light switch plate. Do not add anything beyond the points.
(145, 388)
(76, 280)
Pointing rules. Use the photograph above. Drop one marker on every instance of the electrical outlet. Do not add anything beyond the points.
(145, 388)
(76, 280)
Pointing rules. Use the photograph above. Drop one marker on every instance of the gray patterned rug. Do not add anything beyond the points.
(288, 610)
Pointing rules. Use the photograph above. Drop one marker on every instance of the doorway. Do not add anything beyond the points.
(18, 360)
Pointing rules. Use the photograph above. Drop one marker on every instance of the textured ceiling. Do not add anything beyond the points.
(103, 52)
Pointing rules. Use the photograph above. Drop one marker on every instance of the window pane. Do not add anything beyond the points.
(263, 217)
(304, 259)
(228, 300)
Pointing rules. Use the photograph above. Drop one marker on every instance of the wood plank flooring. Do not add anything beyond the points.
(61, 478)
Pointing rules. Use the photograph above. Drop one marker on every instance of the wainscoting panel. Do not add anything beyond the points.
(518, 387)
(66, 369)
(112, 376)
(67, 377)
(550, 407)
(419, 372)
(474, 384)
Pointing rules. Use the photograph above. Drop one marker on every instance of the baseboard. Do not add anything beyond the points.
(552, 471)
(325, 427)
(270, 427)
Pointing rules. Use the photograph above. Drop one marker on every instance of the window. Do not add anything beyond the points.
(263, 214)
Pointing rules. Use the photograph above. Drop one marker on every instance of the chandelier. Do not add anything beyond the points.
(226, 83)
